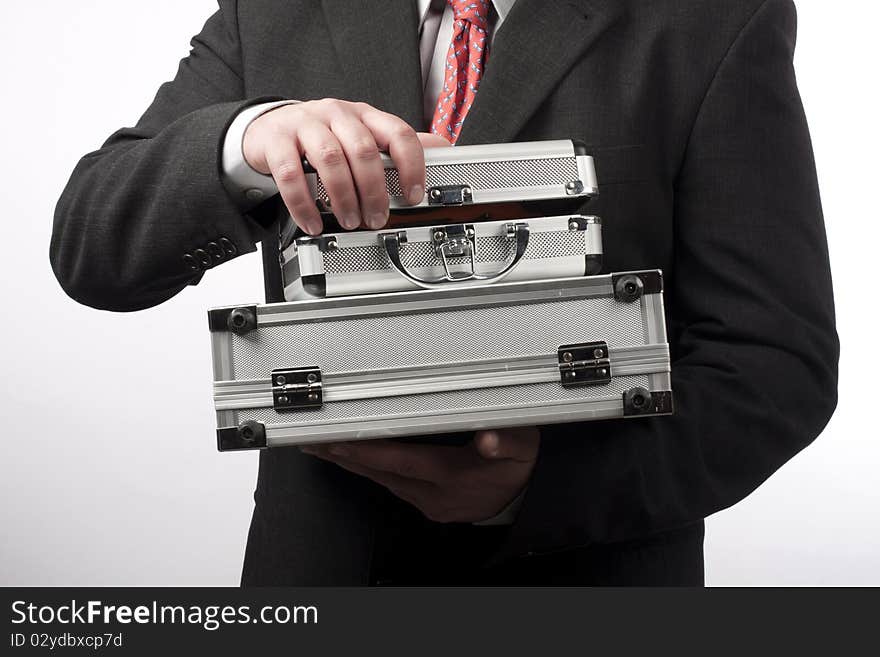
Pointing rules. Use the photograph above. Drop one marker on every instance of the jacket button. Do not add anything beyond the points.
(228, 246)
(190, 262)
(215, 251)
(203, 258)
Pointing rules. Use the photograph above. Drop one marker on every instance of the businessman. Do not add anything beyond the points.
(691, 110)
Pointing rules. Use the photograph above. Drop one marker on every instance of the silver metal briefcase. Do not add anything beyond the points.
(436, 361)
(489, 173)
(367, 262)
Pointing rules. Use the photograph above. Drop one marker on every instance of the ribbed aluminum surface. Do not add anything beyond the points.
(445, 402)
(451, 336)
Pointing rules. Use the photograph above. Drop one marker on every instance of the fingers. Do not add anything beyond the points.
(447, 484)
(400, 140)
(520, 444)
(488, 444)
(342, 141)
(326, 154)
(366, 168)
(430, 140)
(409, 490)
(284, 163)
(429, 463)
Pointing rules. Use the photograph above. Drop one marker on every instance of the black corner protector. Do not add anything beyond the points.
(247, 435)
(640, 402)
(630, 286)
(652, 279)
(315, 285)
(580, 148)
(239, 319)
(593, 264)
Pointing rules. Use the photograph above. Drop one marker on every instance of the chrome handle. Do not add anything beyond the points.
(518, 233)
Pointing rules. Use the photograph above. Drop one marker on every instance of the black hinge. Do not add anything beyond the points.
(296, 389)
(585, 364)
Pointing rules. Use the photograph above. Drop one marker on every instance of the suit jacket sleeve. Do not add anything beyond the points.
(750, 315)
(152, 194)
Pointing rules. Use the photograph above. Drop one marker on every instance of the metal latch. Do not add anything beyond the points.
(297, 389)
(586, 364)
(455, 241)
(450, 195)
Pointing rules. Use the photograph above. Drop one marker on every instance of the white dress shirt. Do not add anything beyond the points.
(250, 187)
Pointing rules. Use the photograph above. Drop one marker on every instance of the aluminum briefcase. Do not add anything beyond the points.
(369, 262)
(436, 361)
(490, 173)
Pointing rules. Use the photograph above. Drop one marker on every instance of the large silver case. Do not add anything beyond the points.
(480, 253)
(436, 361)
(490, 173)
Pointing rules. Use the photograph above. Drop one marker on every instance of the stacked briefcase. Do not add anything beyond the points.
(481, 307)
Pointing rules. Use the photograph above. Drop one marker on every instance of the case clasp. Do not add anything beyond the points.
(450, 195)
(585, 364)
(297, 389)
(455, 241)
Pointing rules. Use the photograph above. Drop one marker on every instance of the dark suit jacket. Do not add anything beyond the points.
(706, 171)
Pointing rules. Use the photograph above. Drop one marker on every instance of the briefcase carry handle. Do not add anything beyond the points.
(455, 241)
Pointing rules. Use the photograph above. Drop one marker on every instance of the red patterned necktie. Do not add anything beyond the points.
(464, 66)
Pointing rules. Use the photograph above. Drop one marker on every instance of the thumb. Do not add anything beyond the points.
(520, 444)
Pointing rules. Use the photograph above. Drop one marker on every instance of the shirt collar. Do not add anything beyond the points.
(503, 7)
(422, 7)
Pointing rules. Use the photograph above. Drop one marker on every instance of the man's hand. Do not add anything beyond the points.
(342, 141)
(448, 484)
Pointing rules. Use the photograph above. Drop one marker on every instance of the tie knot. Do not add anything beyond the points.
(476, 12)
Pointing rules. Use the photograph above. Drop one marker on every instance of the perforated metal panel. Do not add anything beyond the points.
(488, 175)
(557, 244)
(445, 402)
(450, 336)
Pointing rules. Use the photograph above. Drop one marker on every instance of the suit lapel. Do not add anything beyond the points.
(378, 48)
(538, 42)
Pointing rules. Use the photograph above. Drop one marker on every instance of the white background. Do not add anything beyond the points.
(109, 474)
